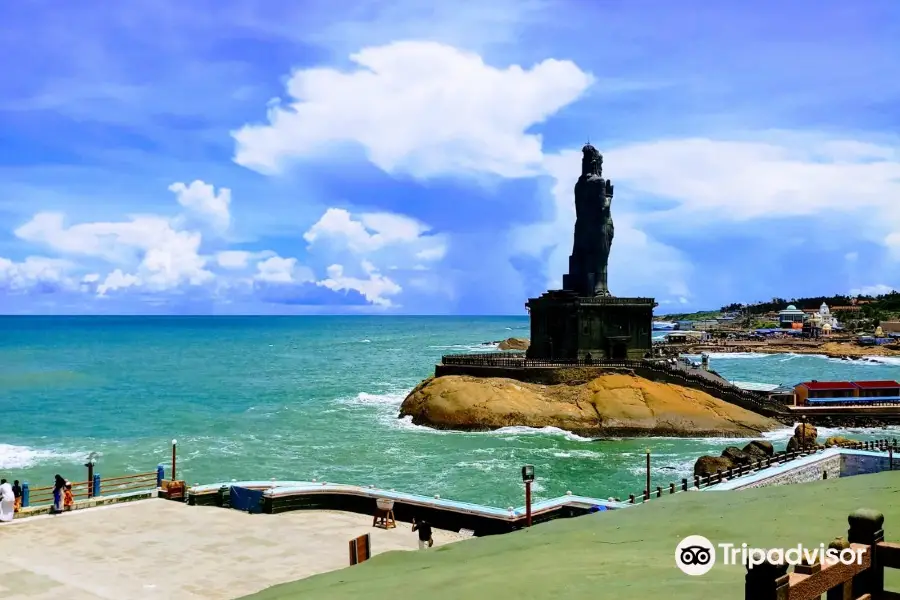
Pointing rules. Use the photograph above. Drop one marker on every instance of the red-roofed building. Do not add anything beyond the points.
(877, 389)
(824, 389)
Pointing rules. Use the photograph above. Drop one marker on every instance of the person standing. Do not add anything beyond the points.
(7, 501)
(68, 497)
(17, 493)
(424, 529)
(59, 485)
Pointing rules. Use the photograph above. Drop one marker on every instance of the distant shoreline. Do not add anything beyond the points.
(829, 349)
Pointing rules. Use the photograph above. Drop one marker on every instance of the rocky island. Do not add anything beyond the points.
(610, 405)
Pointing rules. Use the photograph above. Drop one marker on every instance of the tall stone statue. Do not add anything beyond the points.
(594, 229)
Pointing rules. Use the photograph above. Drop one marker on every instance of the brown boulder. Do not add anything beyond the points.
(614, 404)
(710, 465)
(837, 440)
(759, 449)
(737, 456)
(806, 432)
(514, 344)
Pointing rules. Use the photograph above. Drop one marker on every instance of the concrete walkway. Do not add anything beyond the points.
(160, 549)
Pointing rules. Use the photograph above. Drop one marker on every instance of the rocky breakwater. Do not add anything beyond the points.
(513, 343)
(606, 405)
(805, 437)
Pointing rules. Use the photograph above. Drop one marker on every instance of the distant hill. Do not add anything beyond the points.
(884, 307)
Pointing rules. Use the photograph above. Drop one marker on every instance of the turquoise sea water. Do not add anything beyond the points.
(304, 397)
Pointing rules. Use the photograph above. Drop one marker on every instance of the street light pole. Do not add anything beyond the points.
(528, 477)
(174, 443)
(647, 493)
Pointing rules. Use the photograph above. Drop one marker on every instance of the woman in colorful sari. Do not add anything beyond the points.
(7, 501)
(17, 492)
(58, 488)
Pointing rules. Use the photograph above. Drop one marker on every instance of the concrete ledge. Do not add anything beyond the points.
(44, 509)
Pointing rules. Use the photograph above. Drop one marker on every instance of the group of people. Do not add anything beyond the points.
(11, 498)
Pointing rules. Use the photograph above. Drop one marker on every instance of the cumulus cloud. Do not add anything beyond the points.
(202, 201)
(166, 257)
(375, 287)
(422, 108)
(789, 175)
(277, 269)
(879, 289)
(35, 272)
(369, 233)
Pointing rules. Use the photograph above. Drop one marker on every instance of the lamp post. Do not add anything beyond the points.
(528, 478)
(91, 461)
(174, 443)
(647, 493)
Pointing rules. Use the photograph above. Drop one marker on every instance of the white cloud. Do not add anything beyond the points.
(202, 200)
(282, 270)
(375, 287)
(34, 271)
(878, 289)
(789, 175)
(422, 108)
(239, 259)
(371, 232)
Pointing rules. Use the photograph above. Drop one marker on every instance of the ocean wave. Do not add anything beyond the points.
(508, 433)
(24, 457)
(483, 347)
(730, 355)
(391, 398)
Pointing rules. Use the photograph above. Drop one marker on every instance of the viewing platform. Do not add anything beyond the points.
(275, 497)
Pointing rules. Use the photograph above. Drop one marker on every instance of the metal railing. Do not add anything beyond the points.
(98, 486)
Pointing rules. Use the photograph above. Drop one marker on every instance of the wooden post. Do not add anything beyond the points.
(866, 527)
(671, 488)
(174, 442)
(658, 491)
(527, 504)
(684, 484)
(631, 499)
(768, 581)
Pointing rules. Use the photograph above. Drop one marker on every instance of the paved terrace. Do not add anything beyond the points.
(168, 550)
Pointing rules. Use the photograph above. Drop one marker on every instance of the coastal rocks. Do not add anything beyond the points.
(840, 441)
(760, 449)
(736, 456)
(733, 456)
(613, 404)
(804, 436)
(710, 465)
(514, 343)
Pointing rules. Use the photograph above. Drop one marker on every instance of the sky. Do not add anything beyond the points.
(410, 157)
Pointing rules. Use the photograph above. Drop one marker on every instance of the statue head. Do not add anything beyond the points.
(591, 161)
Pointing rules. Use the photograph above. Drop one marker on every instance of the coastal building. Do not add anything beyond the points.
(783, 394)
(823, 389)
(890, 327)
(814, 392)
(686, 337)
(684, 325)
(789, 316)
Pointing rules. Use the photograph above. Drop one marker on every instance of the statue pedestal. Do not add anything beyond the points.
(565, 325)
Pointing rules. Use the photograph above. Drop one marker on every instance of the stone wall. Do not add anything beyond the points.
(801, 473)
(864, 464)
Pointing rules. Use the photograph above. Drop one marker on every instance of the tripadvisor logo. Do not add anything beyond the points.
(696, 555)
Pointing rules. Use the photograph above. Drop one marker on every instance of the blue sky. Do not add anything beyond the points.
(226, 157)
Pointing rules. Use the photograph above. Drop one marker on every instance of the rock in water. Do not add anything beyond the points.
(806, 432)
(709, 465)
(759, 449)
(609, 405)
(514, 344)
(737, 456)
(837, 440)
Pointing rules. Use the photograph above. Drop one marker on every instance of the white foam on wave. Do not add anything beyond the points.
(484, 347)
(877, 361)
(366, 341)
(391, 398)
(730, 355)
(509, 433)
(23, 457)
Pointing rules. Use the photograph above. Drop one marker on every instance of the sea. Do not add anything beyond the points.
(297, 398)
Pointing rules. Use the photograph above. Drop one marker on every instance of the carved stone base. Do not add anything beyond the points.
(565, 325)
